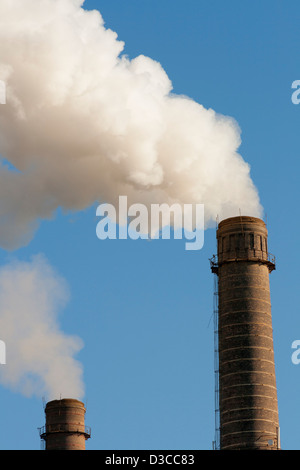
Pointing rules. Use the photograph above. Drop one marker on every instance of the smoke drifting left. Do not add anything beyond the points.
(40, 358)
(83, 124)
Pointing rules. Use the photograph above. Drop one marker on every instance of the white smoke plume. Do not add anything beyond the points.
(39, 357)
(83, 123)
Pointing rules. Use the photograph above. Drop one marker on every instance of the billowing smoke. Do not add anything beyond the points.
(39, 357)
(83, 123)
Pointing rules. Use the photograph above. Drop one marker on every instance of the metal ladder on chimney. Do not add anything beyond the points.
(216, 442)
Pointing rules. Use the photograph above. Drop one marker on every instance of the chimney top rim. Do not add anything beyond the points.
(241, 219)
(64, 402)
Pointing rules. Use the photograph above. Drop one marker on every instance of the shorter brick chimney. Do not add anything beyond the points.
(65, 425)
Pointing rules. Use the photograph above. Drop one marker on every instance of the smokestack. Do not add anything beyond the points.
(65, 426)
(248, 409)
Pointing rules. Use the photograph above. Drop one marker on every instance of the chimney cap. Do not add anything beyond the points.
(241, 219)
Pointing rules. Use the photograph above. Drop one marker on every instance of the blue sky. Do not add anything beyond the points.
(144, 309)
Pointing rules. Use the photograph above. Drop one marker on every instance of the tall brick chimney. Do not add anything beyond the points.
(248, 407)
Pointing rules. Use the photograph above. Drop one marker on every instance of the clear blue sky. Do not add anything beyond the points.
(144, 309)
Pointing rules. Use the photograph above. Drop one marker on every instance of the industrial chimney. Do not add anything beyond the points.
(65, 425)
(247, 394)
